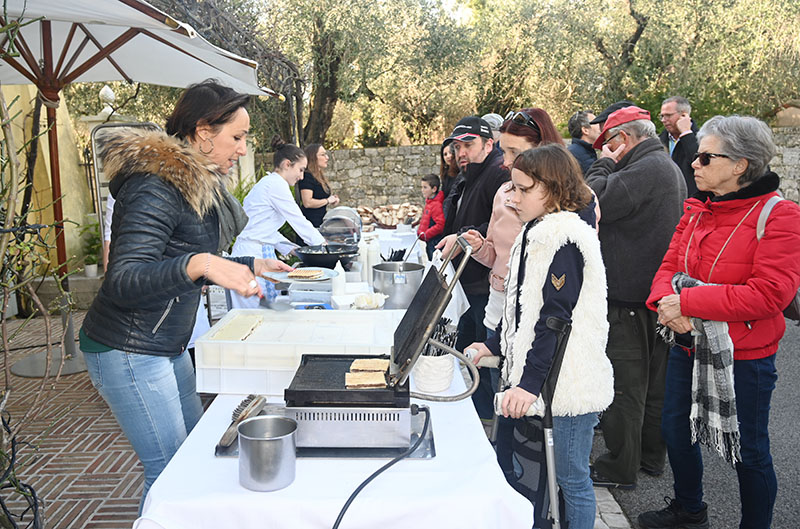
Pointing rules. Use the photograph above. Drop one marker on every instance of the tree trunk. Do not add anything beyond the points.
(325, 90)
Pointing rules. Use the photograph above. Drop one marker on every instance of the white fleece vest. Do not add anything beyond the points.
(586, 381)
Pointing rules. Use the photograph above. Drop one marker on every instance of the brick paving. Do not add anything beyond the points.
(82, 466)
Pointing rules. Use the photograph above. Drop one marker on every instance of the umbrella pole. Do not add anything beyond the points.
(58, 220)
(34, 365)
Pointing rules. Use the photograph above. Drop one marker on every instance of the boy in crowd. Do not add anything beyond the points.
(431, 225)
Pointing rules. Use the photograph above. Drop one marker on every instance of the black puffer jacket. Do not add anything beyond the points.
(164, 214)
(480, 183)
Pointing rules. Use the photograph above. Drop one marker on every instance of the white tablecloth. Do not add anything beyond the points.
(461, 488)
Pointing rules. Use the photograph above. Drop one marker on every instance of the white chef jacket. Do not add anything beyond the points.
(268, 205)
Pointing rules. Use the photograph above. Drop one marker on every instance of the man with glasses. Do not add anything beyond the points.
(470, 207)
(583, 135)
(641, 192)
(679, 137)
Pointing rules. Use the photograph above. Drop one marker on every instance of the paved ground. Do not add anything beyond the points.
(720, 483)
(85, 470)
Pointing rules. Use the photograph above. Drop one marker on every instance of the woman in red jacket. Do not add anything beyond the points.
(722, 289)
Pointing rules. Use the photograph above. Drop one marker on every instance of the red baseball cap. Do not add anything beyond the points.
(623, 115)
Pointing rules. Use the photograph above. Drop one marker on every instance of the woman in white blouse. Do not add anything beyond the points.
(268, 205)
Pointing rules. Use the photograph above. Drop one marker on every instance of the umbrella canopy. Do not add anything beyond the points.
(114, 40)
(107, 40)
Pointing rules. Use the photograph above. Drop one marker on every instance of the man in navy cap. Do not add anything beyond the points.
(641, 192)
(470, 207)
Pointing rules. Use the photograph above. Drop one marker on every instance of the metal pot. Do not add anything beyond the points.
(326, 255)
(267, 453)
(399, 281)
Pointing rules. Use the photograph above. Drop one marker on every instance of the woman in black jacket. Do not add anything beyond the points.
(171, 218)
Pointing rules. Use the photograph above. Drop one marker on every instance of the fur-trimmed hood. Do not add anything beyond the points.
(130, 151)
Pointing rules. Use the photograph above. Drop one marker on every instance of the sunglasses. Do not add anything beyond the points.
(705, 157)
(522, 118)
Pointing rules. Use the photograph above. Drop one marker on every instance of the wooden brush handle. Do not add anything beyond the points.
(251, 410)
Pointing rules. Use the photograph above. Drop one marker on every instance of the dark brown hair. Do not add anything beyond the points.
(547, 132)
(559, 172)
(432, 181)
(314, 168)
(285, 151)
(207, 103)
(446, 170)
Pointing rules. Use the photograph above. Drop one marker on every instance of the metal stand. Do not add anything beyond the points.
(33, 366)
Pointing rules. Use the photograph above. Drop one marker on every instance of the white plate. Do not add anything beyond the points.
(327, 273)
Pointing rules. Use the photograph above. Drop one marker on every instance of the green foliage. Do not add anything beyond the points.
(243, 187)
(372, 134)
(407, 70)
(92, 241)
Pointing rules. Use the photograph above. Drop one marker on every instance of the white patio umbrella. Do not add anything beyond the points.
(107, 40)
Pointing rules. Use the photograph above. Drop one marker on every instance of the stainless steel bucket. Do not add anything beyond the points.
(397, 280)
(267, 452)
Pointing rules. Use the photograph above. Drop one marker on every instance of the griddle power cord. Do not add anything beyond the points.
(415, 409)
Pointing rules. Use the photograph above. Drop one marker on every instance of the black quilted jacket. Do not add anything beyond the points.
(163, 216)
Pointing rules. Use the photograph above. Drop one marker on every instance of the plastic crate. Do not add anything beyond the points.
(265, 362)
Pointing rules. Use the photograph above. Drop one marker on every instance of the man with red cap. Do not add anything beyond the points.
(641, 192)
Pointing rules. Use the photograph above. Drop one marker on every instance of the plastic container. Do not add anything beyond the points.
(264, 363)
(373, 258)
(267, 452)
(338, 281)
(433, 374)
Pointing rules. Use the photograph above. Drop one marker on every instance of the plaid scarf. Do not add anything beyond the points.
(712, 418)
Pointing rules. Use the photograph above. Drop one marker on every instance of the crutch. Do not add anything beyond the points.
(543, 407)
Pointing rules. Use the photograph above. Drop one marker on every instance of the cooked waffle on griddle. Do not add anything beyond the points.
(365, 380)
(370, 364)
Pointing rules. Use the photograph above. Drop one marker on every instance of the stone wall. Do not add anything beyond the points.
(378, 176)
(390, 175)
(787, 162)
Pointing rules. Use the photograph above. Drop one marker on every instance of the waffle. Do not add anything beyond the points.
(305, 273)
(369, 364)
(365, 380)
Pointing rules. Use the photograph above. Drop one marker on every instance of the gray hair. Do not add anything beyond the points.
(742, 138)
(577, 122)
(638, 129)
(681, 104)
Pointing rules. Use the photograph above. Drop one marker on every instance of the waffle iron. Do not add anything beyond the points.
(330, 416)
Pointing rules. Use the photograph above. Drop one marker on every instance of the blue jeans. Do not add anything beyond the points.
(753, 381)
(572, 441)
(154, 400)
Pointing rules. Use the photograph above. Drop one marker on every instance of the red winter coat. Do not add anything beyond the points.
(432, 222)
(755, 279)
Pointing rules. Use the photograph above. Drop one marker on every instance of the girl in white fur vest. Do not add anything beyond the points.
(556, 270)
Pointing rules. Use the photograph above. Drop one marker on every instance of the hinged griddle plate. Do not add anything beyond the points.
(423, 314)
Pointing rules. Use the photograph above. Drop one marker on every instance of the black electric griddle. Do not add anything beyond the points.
(320, 380)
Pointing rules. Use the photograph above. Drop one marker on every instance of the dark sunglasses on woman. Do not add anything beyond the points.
(705, 157)
(522, 118)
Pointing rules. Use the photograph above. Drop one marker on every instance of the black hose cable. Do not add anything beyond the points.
(390, 463)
